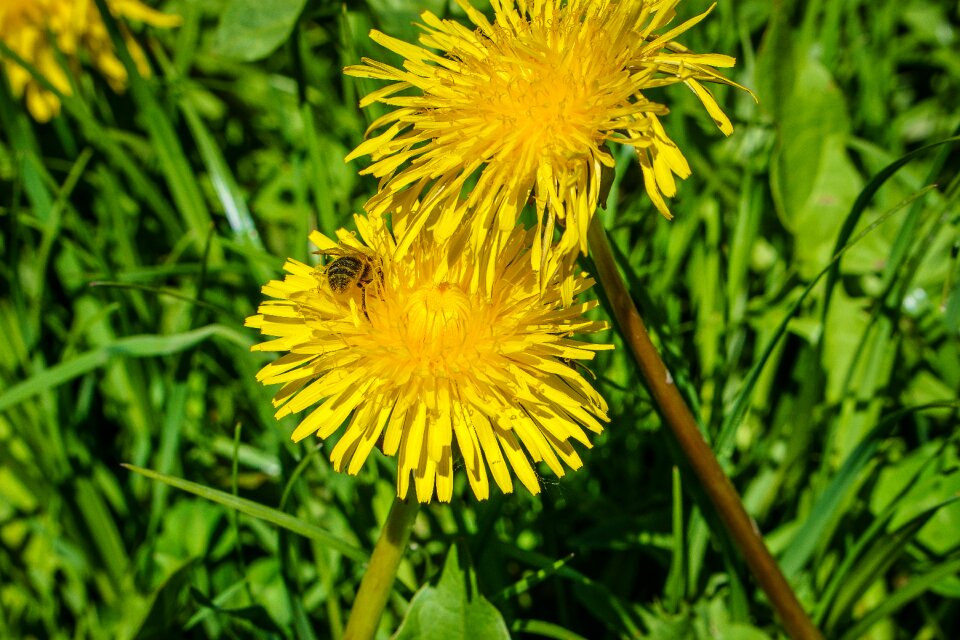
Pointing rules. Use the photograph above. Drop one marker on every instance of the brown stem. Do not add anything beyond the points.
(377, 583)
(677, 415)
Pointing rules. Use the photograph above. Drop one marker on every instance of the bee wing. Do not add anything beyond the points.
(348, 252)
(336, 252)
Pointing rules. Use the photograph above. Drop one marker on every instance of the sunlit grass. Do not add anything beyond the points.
(185, 194)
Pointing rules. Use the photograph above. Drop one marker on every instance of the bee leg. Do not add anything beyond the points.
(363, 300)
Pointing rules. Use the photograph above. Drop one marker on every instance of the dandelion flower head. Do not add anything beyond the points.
(525, 105)
(41, 30)
(434, 357)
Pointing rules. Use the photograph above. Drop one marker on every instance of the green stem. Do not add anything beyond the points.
(377, 583)
(741, 527)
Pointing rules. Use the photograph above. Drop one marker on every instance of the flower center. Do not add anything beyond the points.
(438, 322)
(544, 86)
(547, 102)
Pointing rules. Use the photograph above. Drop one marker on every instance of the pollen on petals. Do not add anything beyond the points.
(443, 357)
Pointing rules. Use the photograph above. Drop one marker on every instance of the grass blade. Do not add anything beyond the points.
(809, 536)
(143, 346)
(901, 597)
(733, 418)
(256, 510)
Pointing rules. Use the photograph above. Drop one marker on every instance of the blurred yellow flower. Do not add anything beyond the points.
(437, 353)
(525, 105)
(41, 30)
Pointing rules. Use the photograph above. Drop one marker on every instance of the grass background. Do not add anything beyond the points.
(138, 228)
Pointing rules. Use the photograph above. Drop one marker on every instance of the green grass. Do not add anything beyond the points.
(138, 229)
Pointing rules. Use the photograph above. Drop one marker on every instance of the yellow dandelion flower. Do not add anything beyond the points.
(525, 105)
(40, 30)
(437, 353)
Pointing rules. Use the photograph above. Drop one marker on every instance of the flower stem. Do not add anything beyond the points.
(677, 415)
(377, 583)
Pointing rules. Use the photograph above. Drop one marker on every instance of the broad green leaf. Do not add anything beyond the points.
(846, 323)
(250, 30)
(188, 529)
(942, 533)
(814, 182)
(453, 608)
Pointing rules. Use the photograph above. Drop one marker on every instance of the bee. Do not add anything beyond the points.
(349, 268)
